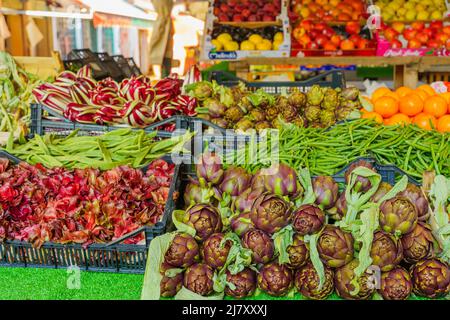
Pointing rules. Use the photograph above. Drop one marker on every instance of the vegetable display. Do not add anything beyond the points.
(240, 109)
(83, 206)
(281, 257)
(115, 148)
(136, 102)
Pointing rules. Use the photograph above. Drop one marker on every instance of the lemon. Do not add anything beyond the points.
(410, 15)
(255, 38)
(436, 15)
(277, 44)
(247, 45)
(217, 44)
(278, 36)
(231, 46)
(401, 12)
(264, 45)
(224, 38)
(422, 16)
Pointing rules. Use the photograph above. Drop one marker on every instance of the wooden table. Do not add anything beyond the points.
(406, 69)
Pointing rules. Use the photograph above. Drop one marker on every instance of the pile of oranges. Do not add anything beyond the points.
(422, 106)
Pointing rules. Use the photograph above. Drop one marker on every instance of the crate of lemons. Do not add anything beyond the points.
(225, 42)
(412, 10)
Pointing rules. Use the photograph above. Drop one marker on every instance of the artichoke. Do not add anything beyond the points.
(351, 94)
(281, 180)
(289, 112)
(308, 219)
(297, 99)
(270, 213)
(386, 251)
(241, 223)
(235, 181)
(418, 244)
(330, 100)
(326, 191)
(209, 169)
(205, 219)
(244, 124)
(257, 115)
(343, 278)
(327, 118)
(299, 121)
(341, 207)
(335, 247)
(234, 114)
(398, 215)
(395, 284)
(312, 113)
(244, 282)
(281, 102)
(298, 252)
(221, 122)
(275, 279)
(169, 286)
(414, 194)
(192, 194)
(260, 244)
(262, 125)
(362, 184)
(215, 108)
(271, 113)
(183, 251)
(199, 279)
(202, 90)
(244, 202)
(431, 278)
(383, 188)
(315, 95)
(307, 282)
(214, 253)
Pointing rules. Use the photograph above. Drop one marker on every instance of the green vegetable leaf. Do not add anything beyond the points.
(152, 278)
(305, 179)
(177, 218)
(238, 257)
(282, 240)
(186, 294)
(315, 259)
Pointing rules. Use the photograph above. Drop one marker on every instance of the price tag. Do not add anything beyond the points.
(439, 87)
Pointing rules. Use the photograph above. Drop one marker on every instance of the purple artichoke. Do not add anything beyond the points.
(209, 169)
(192, 194)
(213, 253)
(235, 181)
(260, 244)
(414, 194)
(281, 180)
(275, 279)
(199, 279)
(343, 278)
(383, 188)
(362, 184)
(298, 252)
(270, 213)
(205, 219)
(170, 285)
(307, 282)
(241, 224)
(308, 219)
(326, 191)
(431, 278)
(398, 215)
(418, 244)
(244, 202)
(183, 251)
(244, 282)
(395, 284)
(335, 247)
(341, 207)
(386, 251)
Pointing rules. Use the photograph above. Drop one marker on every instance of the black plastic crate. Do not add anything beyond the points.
(111, 257)
(135, 70)
(334, 79)
(73, 65)
(111, 66)
(87, 57)
(53, 123)
(123, 65)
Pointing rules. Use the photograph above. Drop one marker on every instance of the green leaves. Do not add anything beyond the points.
(282, 240)
(439, 220)
(315, 259)
(177, 218)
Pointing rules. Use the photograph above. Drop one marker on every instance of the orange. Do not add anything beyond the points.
(435, 106)
(398, 118)
(386, 106)
(403, 91)
(372, 115)
(446, 96)
(425, 121)
(428, 89)
(363, 111)
(423, 94)
(444, 123)
(380, 92)
(411, 104)
(393, 95)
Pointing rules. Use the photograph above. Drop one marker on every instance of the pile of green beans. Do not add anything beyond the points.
(326, 151)
(115, 148)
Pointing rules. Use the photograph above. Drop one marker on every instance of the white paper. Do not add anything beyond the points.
(33, 33)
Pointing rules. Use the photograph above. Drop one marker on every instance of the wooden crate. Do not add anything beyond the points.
(43, 67)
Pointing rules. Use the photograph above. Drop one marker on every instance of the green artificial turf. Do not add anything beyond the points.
(51, 284)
